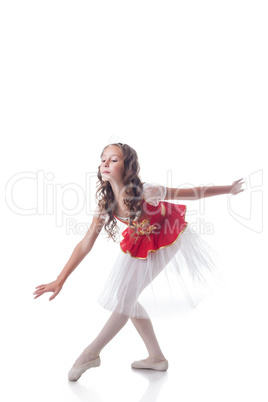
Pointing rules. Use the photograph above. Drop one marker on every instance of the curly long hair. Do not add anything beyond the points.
(133, 189)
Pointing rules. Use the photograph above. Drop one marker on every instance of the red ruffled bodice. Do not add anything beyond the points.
(157, 227)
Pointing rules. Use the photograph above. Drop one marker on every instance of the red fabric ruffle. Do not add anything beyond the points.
(158, 227)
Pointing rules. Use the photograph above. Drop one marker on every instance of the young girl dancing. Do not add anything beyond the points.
(156, 235)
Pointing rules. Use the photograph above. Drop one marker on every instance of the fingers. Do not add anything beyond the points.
(237, 191)
(237, 187)
(38, 294)
(53, 296)
(41, 289)
(238, 181)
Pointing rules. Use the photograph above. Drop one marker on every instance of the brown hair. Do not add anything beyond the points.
(133, 189)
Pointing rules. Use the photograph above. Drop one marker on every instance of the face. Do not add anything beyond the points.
(112, 164)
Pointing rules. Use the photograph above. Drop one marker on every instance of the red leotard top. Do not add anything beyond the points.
(157, 227)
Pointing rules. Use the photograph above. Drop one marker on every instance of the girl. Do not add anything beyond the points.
(156, 235)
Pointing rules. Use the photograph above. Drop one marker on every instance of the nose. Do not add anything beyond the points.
(106, 163)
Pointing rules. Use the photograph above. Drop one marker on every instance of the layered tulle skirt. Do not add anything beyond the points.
(174, 277)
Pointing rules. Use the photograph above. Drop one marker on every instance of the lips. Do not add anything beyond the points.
(105, 172)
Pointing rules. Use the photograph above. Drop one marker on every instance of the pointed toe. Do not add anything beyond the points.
(76, 371)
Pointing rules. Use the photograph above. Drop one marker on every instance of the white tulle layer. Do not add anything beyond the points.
(179, 276)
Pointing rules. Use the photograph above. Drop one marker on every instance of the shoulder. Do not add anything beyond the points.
(154, 192)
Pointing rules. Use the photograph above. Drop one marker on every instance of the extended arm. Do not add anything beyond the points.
(201, 192)
(82, 249)
(79, 253)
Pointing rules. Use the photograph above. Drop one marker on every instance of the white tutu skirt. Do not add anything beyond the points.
(179, 276)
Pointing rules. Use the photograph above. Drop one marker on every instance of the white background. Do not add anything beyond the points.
(185, 84)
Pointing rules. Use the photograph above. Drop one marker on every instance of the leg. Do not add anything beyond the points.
(115, 323)
(146, 331)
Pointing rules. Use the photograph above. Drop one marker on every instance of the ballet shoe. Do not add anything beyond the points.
(76, 371)
(142, 364)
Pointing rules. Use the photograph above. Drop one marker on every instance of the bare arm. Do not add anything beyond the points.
(82, 249)
(79, 253)
(201, 192)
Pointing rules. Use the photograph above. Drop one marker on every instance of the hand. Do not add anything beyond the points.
(236, 187)
(54, 287)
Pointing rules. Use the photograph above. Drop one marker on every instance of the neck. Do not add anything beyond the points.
(118, 190)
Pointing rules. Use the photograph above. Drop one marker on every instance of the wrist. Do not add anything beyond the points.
(223, 190)
(61, 280)
(229, 188)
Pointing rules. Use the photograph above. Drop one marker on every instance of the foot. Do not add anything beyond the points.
(84, 358)
(83, 363)
(152, 363)
(154, 359)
